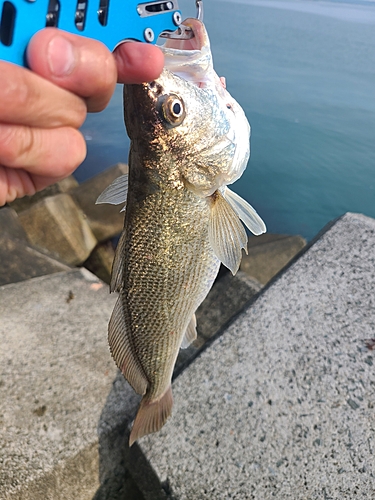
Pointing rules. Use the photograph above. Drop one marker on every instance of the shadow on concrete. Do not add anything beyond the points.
(124, 473)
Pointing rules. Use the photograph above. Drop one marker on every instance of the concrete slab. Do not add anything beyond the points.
(282, 404)
(55, 376)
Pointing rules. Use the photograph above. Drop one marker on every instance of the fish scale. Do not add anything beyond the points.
(165, 290)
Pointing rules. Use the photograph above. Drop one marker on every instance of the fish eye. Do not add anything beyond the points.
(176, 108)
(172, 110)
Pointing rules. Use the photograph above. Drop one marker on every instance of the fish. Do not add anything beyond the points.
(189, 141)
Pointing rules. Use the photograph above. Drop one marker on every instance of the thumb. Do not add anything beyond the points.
(81, 65)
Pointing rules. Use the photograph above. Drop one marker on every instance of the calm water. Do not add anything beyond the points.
(304, 72)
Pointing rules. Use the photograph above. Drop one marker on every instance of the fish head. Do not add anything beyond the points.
(188, 120)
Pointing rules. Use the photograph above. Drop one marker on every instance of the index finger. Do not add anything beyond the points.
(27, 99)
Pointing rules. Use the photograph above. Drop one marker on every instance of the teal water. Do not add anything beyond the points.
(304, 72)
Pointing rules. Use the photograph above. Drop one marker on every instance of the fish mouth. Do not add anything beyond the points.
(190, 59)
(196, 42)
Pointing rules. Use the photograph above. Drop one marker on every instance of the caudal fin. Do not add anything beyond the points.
(151, 415)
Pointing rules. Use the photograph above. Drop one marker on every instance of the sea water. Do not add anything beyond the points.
(304, 72)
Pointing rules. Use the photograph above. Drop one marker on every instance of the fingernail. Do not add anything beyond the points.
(61, 57)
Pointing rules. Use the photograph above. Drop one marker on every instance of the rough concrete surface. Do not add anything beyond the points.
(55, 376)
(282, 404)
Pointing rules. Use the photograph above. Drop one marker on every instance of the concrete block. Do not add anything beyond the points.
(105, 220)
(19, 261)
(268, 254)
(10, 224)
(63, 186)
(58, 226)
(100, 261)
(55, 376)
(282, 404)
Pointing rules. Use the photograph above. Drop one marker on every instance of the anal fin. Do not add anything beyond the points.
(152, 415)
(122, 350)
(190, 334)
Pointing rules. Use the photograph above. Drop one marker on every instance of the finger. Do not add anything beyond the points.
(138, 62)
(81, 65)
(17, 182)
(14, 184)
(49, 152)
(28, 99)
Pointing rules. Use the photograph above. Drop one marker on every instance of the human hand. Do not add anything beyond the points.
(41, 110)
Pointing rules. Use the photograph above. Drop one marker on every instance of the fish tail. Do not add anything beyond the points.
(152, 415)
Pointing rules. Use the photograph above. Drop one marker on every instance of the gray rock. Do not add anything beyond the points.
(282, 404)
(105, 220)
(57, 225)
(268, 254)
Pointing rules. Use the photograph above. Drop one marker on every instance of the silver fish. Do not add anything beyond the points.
(189, 140)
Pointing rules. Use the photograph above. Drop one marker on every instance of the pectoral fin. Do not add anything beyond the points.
(245, 212)
(122, 350)
(226, 232)
(190, 334)
(116, 193)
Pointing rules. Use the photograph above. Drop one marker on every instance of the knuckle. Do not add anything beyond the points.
(15, 144)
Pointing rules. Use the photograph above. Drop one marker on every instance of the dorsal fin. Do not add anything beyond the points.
(245, 212)
(116, 192)
(122, 349)
(226, 232)
(190, 334)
